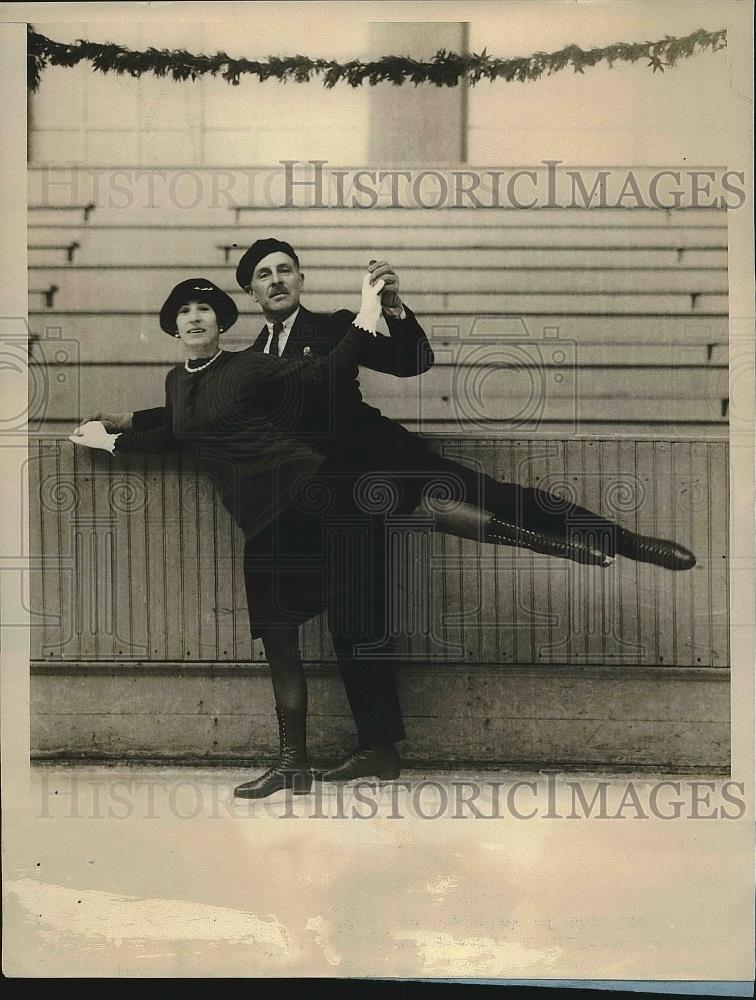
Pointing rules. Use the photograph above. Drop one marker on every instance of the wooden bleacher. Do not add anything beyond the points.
(636, 298)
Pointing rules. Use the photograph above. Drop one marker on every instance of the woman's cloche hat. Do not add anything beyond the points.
(198, 290)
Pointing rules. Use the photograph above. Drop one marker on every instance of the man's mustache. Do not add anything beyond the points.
(275, 289)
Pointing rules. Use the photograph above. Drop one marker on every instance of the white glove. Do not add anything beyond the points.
(370, 307)
(93, 435)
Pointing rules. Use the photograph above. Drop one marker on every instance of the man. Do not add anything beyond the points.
(270, 273)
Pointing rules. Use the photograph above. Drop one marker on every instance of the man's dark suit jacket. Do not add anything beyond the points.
(406, 352)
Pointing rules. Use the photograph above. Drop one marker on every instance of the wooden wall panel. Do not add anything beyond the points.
(142, 563)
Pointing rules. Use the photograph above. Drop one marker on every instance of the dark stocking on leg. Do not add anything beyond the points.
(468, 521)
(286, 670)
(526, 508)
(533, 519)
(290, 690)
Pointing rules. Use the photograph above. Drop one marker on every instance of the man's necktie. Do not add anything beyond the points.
(277, 330)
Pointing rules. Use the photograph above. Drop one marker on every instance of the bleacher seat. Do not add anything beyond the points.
(637, 297)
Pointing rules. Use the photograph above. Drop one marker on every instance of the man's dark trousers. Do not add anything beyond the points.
(358, 580)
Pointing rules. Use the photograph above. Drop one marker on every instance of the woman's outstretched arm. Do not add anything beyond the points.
(157, 440)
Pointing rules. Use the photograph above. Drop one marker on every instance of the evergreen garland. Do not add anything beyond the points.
(445, 69)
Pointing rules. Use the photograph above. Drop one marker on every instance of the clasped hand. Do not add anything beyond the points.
(390, 300)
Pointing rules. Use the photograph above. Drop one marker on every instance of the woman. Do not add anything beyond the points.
(254, 423)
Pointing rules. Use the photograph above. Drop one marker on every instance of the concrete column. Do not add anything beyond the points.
(423, 124)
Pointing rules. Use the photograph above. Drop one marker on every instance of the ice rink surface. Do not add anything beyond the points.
(143, 871)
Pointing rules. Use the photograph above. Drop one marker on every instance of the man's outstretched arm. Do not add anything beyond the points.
(406, 351)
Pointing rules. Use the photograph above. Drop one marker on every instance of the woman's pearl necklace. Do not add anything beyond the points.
(193, 371)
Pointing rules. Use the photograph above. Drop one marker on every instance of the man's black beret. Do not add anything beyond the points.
(253, 256)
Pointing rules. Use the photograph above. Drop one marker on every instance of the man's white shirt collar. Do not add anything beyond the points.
(283, 336)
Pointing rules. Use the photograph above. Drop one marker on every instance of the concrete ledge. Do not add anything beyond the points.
(593, 716)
